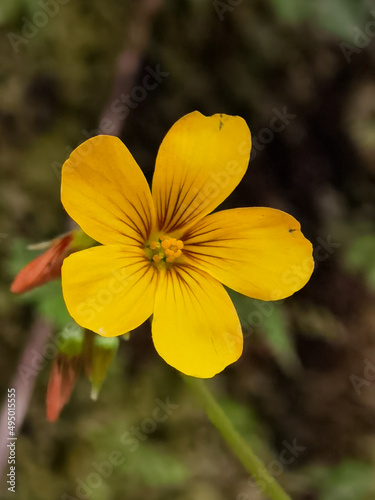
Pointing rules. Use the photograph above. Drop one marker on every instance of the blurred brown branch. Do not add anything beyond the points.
(128, 65)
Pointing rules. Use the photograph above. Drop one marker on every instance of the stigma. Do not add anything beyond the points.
(164, 249)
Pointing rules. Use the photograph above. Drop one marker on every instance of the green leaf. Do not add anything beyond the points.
(246, 422)
(291, 10)
(155, 467)
(269, 318)
(347, 481)
(48, 301)
(275, 327)
(338, 17)
(359, 257)
(9, 11)
(19, 256)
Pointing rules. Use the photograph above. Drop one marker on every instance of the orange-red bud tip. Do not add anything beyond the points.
(44, 268)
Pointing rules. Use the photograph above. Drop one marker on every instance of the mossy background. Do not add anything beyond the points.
(294, 378)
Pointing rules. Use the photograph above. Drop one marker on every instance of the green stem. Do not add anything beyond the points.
(241, 449)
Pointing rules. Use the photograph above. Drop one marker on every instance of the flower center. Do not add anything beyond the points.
(164, 249)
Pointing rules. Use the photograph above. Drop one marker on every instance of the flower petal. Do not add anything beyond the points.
(108, 290)
(106, 193)
(259, 252)
(195, 327)
(199, 163)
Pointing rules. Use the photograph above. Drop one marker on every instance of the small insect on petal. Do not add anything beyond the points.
(174, 253)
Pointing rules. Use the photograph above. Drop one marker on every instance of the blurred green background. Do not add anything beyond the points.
(306, 375)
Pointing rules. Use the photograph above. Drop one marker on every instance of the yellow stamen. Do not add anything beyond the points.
(166, 244)
(164, 249)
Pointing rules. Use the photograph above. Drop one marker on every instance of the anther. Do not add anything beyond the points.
(166, 244)
(167, 250)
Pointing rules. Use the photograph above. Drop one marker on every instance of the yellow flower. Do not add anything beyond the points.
(163, 255)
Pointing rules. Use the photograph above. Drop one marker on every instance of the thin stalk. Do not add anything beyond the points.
(241, 449)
